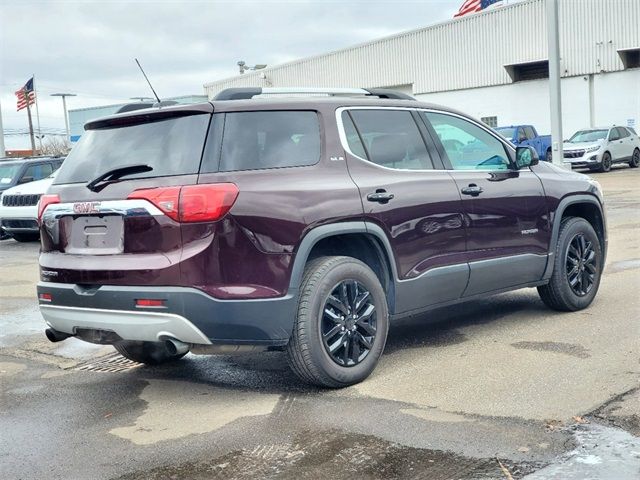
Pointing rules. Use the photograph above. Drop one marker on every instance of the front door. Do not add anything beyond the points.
(506, 217)
(408, 194)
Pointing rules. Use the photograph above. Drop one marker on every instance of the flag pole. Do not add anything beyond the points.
(33, 143)
(35, 93)
(2, 150)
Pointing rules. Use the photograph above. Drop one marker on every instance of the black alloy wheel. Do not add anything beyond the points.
(348, 324)
(581, 265)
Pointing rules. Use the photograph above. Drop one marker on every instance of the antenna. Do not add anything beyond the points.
(147, 79)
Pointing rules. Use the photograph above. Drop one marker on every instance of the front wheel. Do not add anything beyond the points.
(341, 325)
(635, 158)
(577, 267)
(151, 353)
(605, 165)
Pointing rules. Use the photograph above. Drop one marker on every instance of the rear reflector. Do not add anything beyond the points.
(191, 203)
(45, 297)
(149, 302)
(44, 202)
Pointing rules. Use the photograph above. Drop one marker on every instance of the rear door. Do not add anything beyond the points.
(506, 217)
(406, 192)
(126, 230)
(626, 142)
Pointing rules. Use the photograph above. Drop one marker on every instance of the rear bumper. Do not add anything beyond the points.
(189, 315)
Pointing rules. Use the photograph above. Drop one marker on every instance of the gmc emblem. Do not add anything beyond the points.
(86, 207)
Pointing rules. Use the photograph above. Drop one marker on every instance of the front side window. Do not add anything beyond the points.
(391, 139)
(622, 132)
(37, 172)
(270, 139)
(468, 146)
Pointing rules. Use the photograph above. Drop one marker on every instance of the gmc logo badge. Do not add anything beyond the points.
(86, 207)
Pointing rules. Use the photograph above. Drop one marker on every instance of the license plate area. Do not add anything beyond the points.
(96, 235)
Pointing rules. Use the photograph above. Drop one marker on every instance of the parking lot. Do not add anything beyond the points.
(497, 387)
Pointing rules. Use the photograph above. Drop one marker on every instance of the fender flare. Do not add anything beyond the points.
(557, 220)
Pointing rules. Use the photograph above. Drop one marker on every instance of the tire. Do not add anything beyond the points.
(26, 237)
(559, 294)
(151, 353)
(548, 156)
(635, 158)
(309, 349)
(605, 165)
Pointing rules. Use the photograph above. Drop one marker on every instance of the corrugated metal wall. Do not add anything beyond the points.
(468, 52)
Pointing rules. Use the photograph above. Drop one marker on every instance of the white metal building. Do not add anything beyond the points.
(494, 65)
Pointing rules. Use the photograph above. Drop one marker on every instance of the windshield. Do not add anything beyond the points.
(170, 147)
(8, 172)
(506, 132)
(588, 136)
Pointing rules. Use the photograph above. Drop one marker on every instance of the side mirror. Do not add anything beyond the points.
(526, 157)
(25, 180)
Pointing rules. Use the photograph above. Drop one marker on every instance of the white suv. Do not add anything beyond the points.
(19, 209)
(599, 148)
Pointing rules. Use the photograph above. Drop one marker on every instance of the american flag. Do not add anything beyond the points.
(471, 6)
(26, 95)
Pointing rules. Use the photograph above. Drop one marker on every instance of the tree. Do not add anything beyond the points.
(55, 146)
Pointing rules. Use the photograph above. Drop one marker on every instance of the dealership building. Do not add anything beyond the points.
(493, 65)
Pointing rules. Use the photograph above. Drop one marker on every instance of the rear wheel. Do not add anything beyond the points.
(549, 156)
(26, 237)
(151, 353)
(635, 158)
(605, 165)
(577, 267)
(341, 325)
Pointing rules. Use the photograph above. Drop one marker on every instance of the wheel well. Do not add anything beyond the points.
(365, 248)
(591, 213)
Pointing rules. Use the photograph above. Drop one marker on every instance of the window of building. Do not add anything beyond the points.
(490, 121)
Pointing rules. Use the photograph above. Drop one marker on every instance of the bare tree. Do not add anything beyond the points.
(55, 146)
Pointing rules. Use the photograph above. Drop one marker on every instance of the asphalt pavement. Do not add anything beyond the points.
(499, 387)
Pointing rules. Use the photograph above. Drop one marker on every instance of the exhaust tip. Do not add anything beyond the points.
(55, 335)
(176, 347)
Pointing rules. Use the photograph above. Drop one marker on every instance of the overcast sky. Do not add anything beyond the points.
(87, 47)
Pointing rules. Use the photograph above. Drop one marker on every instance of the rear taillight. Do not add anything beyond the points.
(44, 202)
(191, 203)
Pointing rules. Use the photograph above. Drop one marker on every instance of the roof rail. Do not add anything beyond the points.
(244, 93)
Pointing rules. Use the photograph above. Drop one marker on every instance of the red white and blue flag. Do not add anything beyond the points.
(472, 6)
(26, 95)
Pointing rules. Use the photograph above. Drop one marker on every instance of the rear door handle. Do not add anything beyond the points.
(381, 196)
(473, 190)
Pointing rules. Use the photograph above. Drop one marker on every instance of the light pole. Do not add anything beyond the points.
(64, 105)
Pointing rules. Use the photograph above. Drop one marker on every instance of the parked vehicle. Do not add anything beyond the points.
(20, 171)
(527, 135)
(600, 148)
(302, 224)
(19, 209)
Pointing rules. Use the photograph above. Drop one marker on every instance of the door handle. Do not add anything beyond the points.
(381, 196)
(473, 190)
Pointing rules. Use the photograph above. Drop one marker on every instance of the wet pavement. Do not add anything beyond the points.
(500, 387)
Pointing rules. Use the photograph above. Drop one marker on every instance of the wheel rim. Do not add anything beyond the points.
(348, 323)
(636, 157)
(581, 265)
(606, 162)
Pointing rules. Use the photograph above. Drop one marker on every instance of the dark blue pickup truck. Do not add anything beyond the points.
(526, 135)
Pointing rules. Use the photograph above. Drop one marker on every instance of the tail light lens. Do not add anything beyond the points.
(192, 203)
(44, 202)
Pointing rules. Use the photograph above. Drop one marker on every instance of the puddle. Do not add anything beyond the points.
(337, 455)
(556, 347)
(601, 453)
(19, 317)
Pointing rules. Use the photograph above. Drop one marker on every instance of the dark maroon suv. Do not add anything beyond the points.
(302, 224)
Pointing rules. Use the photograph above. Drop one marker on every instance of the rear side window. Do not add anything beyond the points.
(170, 146)
(391, 139)
(271, 139)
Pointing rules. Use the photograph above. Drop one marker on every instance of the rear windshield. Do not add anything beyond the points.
(170, 146)
(273, 139)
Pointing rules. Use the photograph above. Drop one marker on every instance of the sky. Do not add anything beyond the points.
(88, 47)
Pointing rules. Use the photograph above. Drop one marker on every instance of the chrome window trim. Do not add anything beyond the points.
(345, 144)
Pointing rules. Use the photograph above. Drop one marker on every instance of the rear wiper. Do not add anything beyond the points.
(114, 176)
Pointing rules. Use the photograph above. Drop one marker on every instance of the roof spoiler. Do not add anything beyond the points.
(245, 93)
